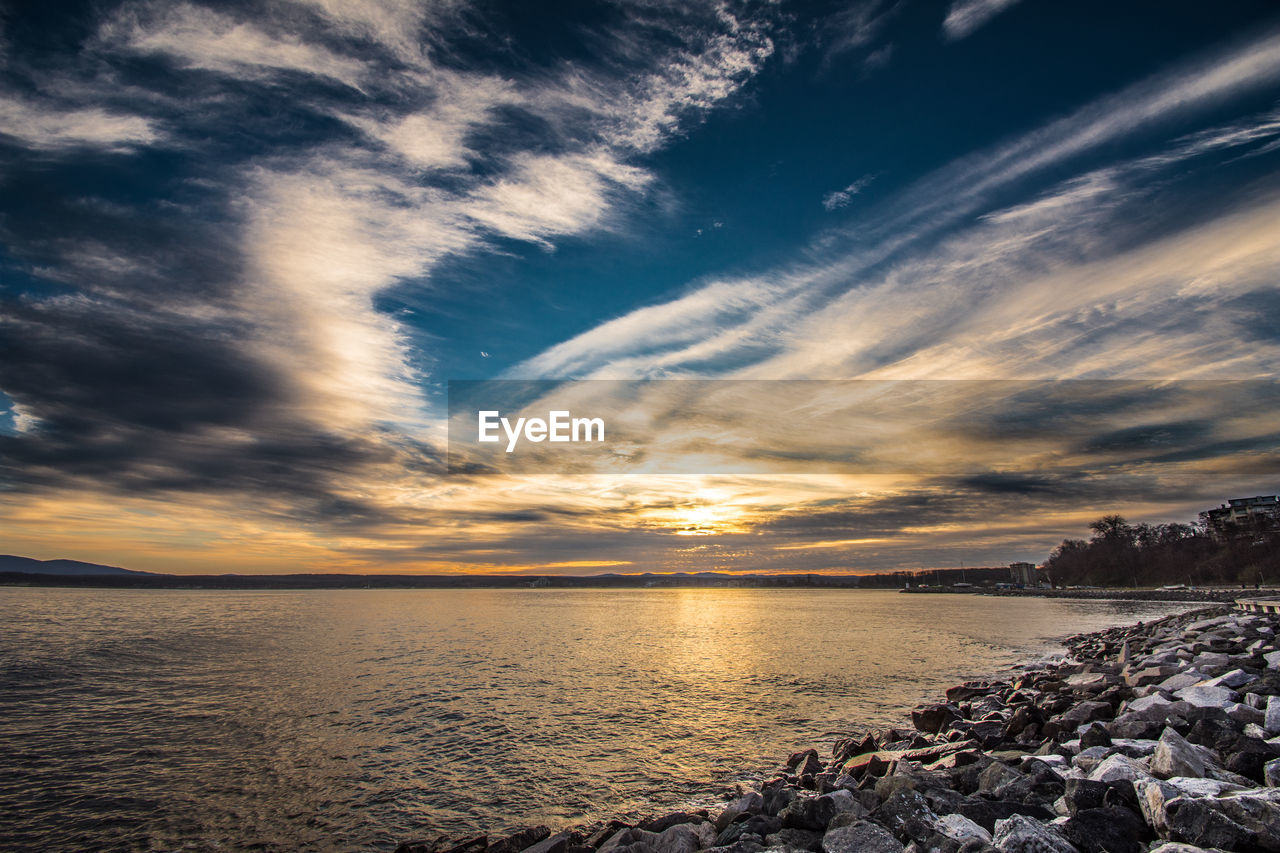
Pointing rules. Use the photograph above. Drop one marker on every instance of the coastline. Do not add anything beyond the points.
(1156, 736)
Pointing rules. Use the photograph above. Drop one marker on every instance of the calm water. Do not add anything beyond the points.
(350, 720)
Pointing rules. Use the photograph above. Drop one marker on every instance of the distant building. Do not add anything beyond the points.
(1238, 511)
(1023, 574)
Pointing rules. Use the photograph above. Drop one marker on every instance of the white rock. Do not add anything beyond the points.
(962, 829)
(1196, 787)
(1202, 696)
(1134, 747)
(1272, 659)
(1187, 678)
(1019, 834)
(1117, 767)
(1231, 680)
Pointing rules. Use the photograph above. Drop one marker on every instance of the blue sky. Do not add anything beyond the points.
(246, 245)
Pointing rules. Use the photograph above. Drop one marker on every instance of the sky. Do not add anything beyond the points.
(244, 248)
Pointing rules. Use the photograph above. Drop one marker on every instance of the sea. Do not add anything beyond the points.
(327, 720)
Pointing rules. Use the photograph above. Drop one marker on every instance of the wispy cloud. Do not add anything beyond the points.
(47, 125)
(837, 199)
(967, 16)
(875, 315)
(405, 160)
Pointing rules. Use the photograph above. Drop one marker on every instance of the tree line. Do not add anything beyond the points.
(1197, 554)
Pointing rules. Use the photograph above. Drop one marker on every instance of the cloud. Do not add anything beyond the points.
(927, 282)
(967, 16)
(197, 37)
(837, 199)
(219, 328)
(45, 125)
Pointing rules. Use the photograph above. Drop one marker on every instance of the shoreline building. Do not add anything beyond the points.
(1242, 511)
(1023, 574)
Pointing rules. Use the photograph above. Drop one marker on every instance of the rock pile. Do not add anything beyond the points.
(1164, 736)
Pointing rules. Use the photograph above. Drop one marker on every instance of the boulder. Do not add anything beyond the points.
(1271, 723)
(933, 718)
(1231, 680)
(962, 829)
(1085, 712)
(1271, 773)
(805, 763)
(1197, 821)
(557, 843)
(518, 841)
(1119, 767)
(1082, 794)
(1095, 735)
(1001, 782)
(1021, 834)
(814, 813)
(749, 803)
(1204, 696)
(860, 837)
(1105, 830)
(683, 838)
(796, 839)
(761, 825)
(1174, 756)
(673, 819)
(907, 815)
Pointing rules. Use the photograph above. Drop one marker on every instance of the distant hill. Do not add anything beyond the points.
(9, 563)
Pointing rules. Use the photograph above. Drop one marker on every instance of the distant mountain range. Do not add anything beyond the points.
(10, 563)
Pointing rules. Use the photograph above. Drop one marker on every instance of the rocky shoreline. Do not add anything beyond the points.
(1159, 736)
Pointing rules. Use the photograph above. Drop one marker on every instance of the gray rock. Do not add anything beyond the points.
(1174, 756)
(1245, 714)
(815, 813)
(1204, 696)
(1081, 794)
(683, 838)
(673, 819)
(1271, 722)
(861, 837)
(1231, 680)
(1197, 821)
(1021, 834)
(1085, 712)
(555, 844)
(1179, 847)
(796, 839)
(749, 803)
(1001, 782)
(962, 829)
(1118, 767)
(1272, 659)
(1186, 678)
(745, 845)
(1095, 734)
(518, 841)
(761, 825)
(1105, 830)
(933, 718)
(1155, 707)
(907, 815)
(1271, 772)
